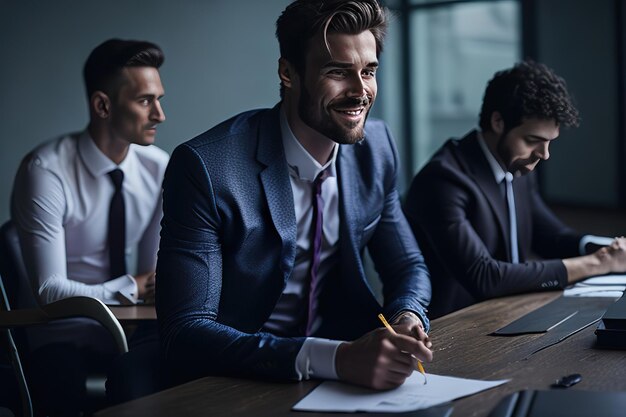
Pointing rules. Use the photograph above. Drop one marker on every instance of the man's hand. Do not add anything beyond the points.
(614, 255)
(409, 323)
(606, 260)
(380, 359)
(145, 286)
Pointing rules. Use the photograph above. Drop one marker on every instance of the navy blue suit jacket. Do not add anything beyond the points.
(228, 246)
(460, 218)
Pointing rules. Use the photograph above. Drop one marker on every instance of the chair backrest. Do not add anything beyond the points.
(8, 345)
(19, 309)
(12, 267)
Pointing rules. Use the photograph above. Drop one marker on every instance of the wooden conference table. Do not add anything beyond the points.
(462, 347)
(134, 313)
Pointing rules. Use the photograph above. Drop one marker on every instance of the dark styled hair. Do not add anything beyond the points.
(303, 19)
(528, 90)
(107, 60)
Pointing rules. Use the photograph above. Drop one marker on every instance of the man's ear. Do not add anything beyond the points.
(101, 104)
(286, 73)
(497, 123)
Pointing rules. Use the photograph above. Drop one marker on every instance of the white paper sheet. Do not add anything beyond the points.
(334, 396)
(612, 286)
(589, 291)
(605, 280)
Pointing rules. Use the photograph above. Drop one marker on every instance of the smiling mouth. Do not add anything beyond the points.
(351, 113)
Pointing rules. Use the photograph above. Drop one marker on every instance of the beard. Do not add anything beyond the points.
(514, 166)
(322, 121)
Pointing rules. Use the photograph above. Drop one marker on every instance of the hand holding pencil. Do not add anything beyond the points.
(420, 367)
(382, 359)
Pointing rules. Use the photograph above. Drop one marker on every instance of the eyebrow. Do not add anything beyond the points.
(150, 96)
(541, 138)
(336, 64)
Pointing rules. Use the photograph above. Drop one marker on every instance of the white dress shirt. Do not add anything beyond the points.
(317, 356)
(60, 205)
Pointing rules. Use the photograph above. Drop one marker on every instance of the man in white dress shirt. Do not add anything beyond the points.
(61, 200)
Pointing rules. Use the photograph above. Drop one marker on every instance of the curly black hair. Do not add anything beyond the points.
(528, 90)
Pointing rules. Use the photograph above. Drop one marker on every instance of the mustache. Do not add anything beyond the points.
(529, 161)
(353, 102)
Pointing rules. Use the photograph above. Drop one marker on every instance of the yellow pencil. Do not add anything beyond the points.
(420, 367)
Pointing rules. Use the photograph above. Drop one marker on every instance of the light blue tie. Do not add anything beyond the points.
(510, 202)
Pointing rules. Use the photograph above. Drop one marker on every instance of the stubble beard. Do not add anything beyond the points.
(323, 123)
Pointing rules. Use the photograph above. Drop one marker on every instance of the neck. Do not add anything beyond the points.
(492, 140)
(319, 146)
(114, 148)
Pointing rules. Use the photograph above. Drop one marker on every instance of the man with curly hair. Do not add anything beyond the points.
(476, 210)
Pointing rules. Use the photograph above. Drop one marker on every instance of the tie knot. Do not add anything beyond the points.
(508, 177)
(317, 183)
(321, 177)
(117, 176)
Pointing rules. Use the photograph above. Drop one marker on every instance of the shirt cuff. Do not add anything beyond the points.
(419, 314)
(125, 284)
(596, 240)
(316, 359)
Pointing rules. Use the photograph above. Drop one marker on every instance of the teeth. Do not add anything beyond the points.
(352, 112)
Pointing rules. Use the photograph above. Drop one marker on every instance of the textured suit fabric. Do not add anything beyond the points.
(228, 245)
(459, 217)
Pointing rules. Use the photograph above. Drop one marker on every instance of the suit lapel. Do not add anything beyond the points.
(348, 191)
(479, 168)
(276, 185)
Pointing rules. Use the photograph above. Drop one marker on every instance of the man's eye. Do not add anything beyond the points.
(338, 73)
(369, 73)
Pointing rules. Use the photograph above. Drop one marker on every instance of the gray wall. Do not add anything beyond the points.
(578, 39)
(221, 58)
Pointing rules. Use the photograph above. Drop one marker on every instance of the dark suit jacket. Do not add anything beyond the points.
(459, 216)
(228, 246)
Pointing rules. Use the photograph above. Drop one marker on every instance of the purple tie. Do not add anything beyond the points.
(316, 246)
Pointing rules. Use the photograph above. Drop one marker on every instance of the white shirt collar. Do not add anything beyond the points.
(300, 161)
(496, 168)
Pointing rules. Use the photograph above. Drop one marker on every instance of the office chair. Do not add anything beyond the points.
(30, 313)
(137, 373)
(65, 308)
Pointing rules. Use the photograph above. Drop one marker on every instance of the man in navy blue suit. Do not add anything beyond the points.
(267, 217)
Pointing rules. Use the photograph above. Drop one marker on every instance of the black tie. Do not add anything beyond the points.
(117, 227)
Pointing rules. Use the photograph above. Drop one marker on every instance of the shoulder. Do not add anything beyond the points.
(53, 152)
(449, 169)
(223, 134)
(453, 157)
(152, 157)
(230, 143)
(228, 147)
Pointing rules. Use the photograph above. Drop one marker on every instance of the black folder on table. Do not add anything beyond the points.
(615, 316)
(611, 332)
(569, 313)
(561, 403)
